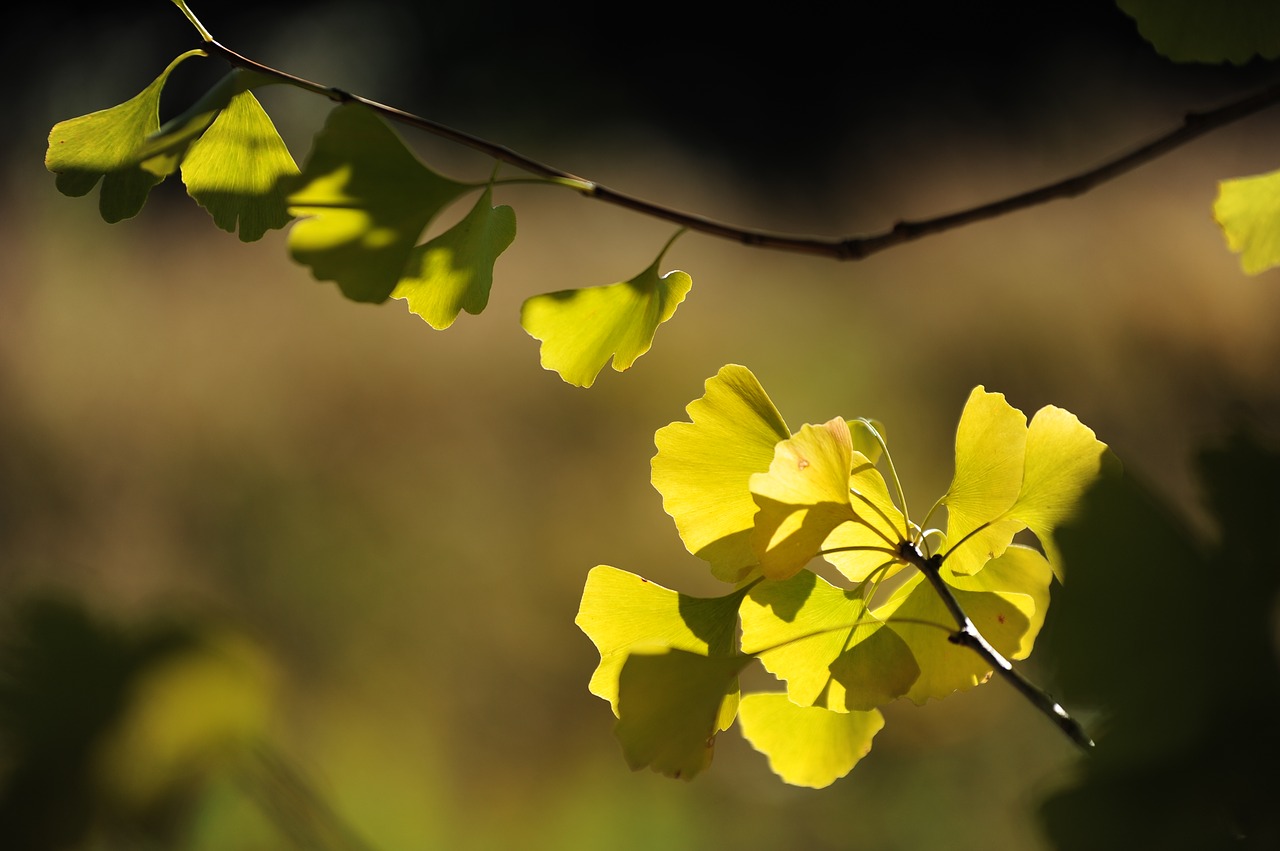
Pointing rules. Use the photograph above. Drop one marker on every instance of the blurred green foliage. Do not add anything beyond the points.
(1174, 640)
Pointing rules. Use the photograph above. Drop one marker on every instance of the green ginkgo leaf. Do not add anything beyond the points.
(1064, 458)
(106, 145)
(802, 497)
(454, 271)
(703, 469)
(671, 707)
(623, 613)
(1001, 603)
(1196, 31)
(364, 199)
(822, 641)
(990, 451)
(580, 330)
(807, 745)
(1248, 210)
(237, 170)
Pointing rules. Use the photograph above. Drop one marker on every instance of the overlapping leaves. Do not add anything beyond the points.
(760, 503)
(364, 202)
(233, 161)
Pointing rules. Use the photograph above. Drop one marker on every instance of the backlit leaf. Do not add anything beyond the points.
(365, 199)
(703, 469)
(990, 447)
(582, 329)
(454, 271)
(105, 146)
(623, 613)
(237, 170)
(1064, 457)
(807, 745)
(802, 497)
(826, 646)
(1248, 210)
(670, 708)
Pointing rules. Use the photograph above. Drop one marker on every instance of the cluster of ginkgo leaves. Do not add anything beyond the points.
(362, 204)
(760, 503)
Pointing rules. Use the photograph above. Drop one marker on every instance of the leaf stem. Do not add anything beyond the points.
(195, 22)
(968, 636)
(897, 483)
(1194, 125)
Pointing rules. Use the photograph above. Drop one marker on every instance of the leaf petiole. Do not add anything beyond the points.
(195, 22)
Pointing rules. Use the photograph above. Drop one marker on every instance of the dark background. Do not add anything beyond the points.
(783, 97)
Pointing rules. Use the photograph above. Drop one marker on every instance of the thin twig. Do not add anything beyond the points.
(968, 636)
(1194, 125)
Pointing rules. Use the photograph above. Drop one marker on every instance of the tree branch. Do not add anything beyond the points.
(968, 636)
(1193, 126)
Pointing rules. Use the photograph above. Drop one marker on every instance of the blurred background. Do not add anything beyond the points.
(236, 508)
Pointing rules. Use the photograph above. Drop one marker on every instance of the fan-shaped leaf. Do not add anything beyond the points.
(237, 170)
(990, 448)
(1248, 209)
(582, 329)
(623, 613)
(703, 469)
(106, 146)
(365, 199)
(1064, 457)
(454, 271)
(807, 745)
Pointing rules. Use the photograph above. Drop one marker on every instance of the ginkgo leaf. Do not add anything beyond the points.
(703, 469)
(237, 170)
(1002, 605)
(1248, 210)
(868, 543)
(454, 271)
(1195, 31)
(990, 450)
(623, 613)
(105, 145)
(670, 708)
(580, 330)
(364, 199)
(807, 745)
(1064, 457)
(802, 497)
(822, 641)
